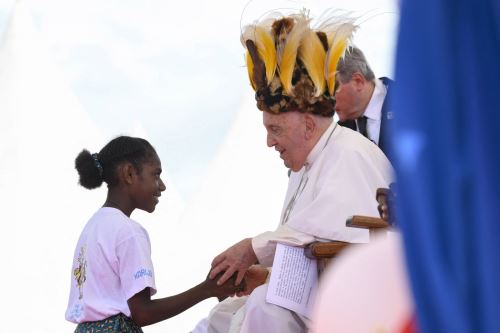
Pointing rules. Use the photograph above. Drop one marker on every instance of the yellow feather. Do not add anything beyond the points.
(339, 41)
(289, 56)
(250, 69)
(312, 54)
(334, 54)
(264, 43)
(267, 51)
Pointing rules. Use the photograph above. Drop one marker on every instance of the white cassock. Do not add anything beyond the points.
(339, 179)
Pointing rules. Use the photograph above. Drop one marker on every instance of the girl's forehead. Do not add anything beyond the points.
(154, 159)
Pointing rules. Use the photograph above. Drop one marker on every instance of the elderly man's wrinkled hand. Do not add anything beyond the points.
(235, 259)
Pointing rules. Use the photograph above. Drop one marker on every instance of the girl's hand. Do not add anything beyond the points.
(255, 276)
(229, 288)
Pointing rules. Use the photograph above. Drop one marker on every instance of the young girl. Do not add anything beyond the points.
(112, 278)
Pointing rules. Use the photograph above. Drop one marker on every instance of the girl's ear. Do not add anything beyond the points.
(126, 173)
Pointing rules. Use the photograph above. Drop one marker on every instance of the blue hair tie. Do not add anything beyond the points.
(97, 164)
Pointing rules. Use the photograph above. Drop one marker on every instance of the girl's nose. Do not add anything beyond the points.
(162, 185)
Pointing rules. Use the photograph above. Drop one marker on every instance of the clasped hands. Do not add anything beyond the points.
(239, 260)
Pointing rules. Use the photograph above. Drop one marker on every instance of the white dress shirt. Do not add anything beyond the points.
(373, 111)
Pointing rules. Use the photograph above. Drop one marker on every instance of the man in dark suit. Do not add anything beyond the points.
(362, 99)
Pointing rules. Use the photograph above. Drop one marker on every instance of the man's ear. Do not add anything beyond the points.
(310, 126)
(358, 81)
(126, 172)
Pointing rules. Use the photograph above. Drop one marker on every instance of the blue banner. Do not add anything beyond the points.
(446, 148)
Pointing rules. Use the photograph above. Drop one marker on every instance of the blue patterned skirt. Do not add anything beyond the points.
(115, 324)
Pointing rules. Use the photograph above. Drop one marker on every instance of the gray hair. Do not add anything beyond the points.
(354, 61)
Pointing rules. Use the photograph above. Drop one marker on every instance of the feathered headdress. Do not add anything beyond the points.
(292, 66)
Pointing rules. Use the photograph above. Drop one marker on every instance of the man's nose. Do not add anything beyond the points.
(270, 141)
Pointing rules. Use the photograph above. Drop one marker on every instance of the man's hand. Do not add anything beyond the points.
(237, 258)
(256, 275)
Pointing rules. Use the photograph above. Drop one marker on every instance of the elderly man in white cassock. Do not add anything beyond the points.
(334, 171)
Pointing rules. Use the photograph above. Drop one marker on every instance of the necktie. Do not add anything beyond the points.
(361, 121)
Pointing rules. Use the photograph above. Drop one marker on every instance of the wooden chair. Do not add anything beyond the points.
(325, 251)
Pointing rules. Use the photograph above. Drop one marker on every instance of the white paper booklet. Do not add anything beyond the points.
(294, 280)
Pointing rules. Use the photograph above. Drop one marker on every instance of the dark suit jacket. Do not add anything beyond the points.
(386, 118)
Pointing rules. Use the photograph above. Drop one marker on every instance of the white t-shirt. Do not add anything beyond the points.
(112, 263)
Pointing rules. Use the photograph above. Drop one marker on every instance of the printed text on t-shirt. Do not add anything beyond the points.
(143, 272)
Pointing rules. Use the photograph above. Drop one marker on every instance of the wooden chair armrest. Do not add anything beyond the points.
(382, 194)
(324, 250)
(366, 222)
